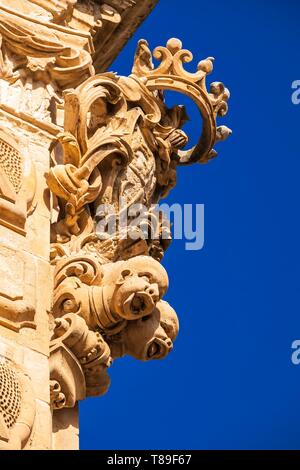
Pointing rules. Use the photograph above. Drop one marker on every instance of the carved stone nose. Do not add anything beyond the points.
(153, 291)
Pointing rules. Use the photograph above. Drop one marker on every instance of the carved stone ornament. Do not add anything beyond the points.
(55, 41)
(120, 143)
(85, 157)
(18, 184)
(17, 407)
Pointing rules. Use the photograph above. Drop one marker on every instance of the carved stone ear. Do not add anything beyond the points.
(124, 275)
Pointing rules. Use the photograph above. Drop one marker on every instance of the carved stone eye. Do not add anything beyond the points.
(147, 276)
(70, 306)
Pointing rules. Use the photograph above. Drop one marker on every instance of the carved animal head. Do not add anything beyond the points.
(139, 284)
(150, 337)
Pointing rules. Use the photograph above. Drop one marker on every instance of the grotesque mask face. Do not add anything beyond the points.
(136, 295)
(139, 288)
(146, 337)
(168, 319)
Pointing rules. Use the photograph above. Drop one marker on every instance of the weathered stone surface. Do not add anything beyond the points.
(41, 438)
(65, 429)
(80, 149)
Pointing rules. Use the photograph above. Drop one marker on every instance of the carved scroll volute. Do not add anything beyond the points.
(72, 278)
(170, 75)
(93, 152)
(79, 358)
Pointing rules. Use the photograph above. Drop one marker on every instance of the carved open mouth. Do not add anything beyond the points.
(138, 304)
(159, 348)
(154, 350)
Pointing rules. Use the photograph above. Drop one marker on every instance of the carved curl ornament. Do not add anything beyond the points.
(170, 75)
(120, 142)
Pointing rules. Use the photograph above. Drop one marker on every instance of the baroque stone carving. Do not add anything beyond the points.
(16, 311)
(17, 192)
(50, 49)
(120, 147)
(103, 312)
(78, 362)
(113, 147)
(53, 43)
(17, 184)
(17, 407)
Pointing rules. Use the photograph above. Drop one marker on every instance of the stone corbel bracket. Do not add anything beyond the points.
(119, 139)
(103, 312)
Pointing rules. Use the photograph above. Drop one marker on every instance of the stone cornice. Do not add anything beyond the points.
(132, 16)
(65, 42)
(26, 120)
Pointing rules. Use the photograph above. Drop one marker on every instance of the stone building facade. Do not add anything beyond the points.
(79, 148)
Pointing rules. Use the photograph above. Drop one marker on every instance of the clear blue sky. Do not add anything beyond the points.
(229, 383)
